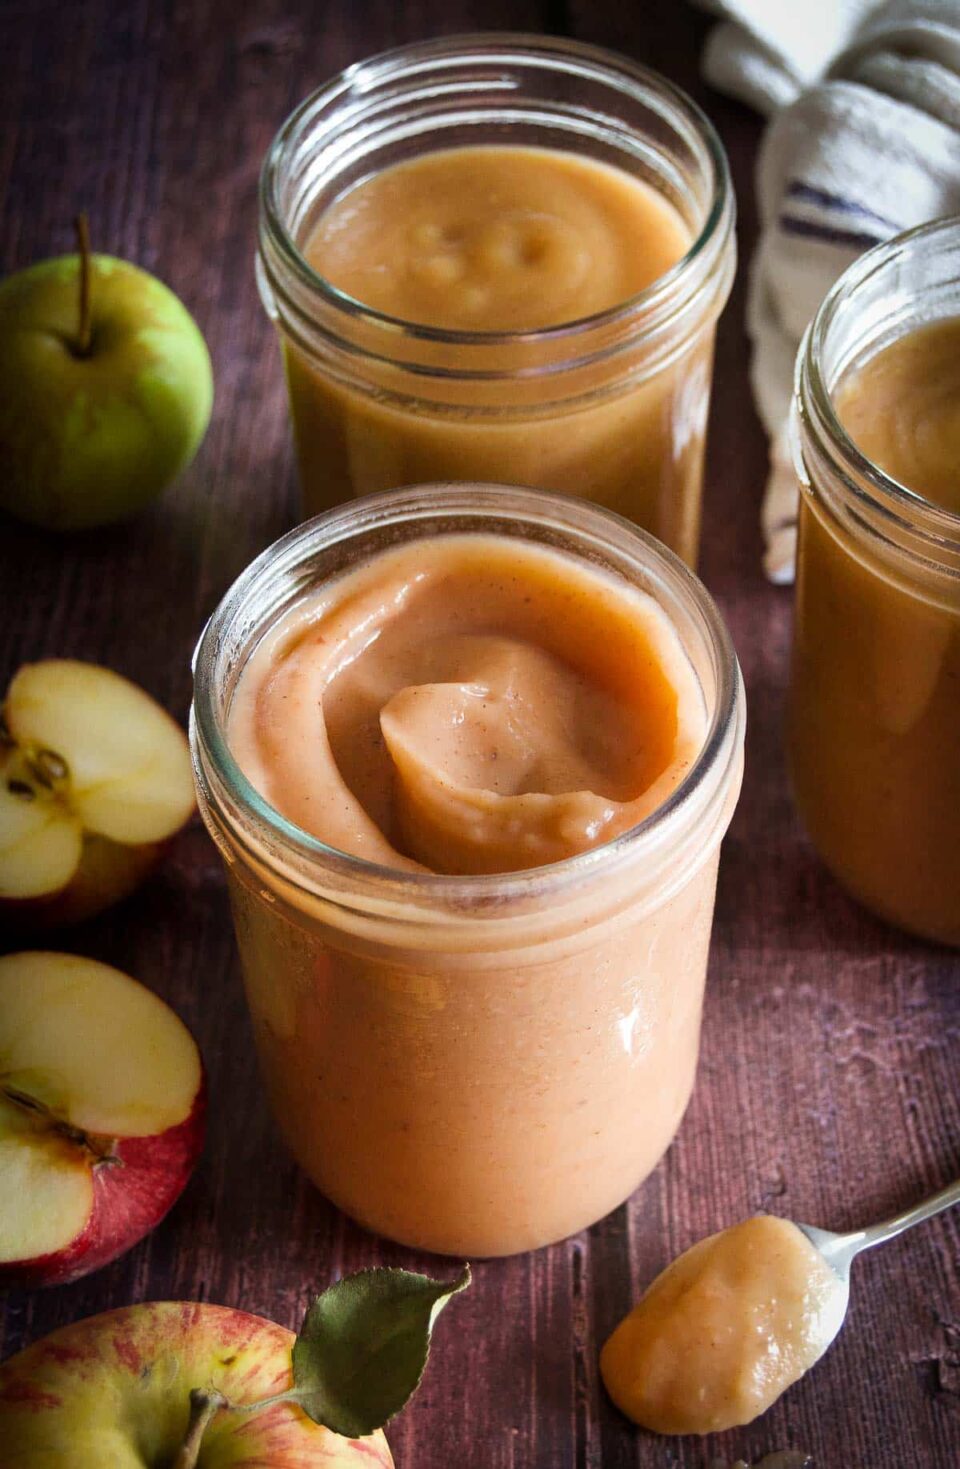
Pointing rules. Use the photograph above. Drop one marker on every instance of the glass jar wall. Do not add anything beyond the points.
(874, 706)
(611, 406)
(474, 1065)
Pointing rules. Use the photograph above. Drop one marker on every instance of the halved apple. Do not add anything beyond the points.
(94, 779)
(102, 1104)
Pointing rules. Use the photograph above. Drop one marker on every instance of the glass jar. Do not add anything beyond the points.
(874, 706)
(473, 1065)
(613, 406)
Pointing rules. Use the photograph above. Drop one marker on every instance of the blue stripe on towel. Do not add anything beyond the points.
(828, 232)
(811, 195)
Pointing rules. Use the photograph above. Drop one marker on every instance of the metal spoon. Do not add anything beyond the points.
(840, 1250)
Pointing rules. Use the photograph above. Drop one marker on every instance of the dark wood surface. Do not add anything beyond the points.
(828, 1082)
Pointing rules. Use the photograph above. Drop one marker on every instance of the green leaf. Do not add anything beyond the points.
(363, 1347)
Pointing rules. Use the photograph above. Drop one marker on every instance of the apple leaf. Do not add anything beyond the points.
(363, 1347)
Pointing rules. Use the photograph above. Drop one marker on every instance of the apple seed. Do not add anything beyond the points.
(48, 767)
(100, 1148)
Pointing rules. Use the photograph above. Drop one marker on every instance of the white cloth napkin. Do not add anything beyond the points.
(864, 142)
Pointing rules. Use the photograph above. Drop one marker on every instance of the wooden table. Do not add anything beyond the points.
(828, 1084)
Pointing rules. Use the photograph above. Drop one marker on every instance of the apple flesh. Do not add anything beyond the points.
(94, 780)
(102, 1103)
(114, 1389)
(88, 438)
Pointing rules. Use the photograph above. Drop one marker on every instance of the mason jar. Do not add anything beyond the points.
(874, 706)
(611, 406)
(472, 1065)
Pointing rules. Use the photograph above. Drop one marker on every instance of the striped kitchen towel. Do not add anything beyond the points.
(864, 142)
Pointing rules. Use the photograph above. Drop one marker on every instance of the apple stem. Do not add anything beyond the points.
(292, 1395)
(204, 1406)
(85, 332)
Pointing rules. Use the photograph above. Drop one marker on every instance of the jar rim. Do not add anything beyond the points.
(626, 75)
(862, 479)
(597, 526)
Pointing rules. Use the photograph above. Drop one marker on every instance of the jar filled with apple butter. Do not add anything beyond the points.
(874, 704)
(500, 258)
(469, 753)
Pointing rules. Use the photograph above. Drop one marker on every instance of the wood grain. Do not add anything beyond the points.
(828, 1084)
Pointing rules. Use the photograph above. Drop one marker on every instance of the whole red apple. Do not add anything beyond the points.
(115, 1390)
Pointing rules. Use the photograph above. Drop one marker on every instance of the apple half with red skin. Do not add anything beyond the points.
(95, 779)
(102, 1111)
(114, 1390)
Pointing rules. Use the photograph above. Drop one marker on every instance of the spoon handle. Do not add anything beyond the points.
(890, 1228)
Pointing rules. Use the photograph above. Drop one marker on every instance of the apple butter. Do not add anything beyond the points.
(496, 259)
(472, 833)
(874, 724)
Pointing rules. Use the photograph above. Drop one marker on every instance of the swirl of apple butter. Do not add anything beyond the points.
(469, 704)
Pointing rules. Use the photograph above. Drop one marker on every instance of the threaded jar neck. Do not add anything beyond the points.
(904, 284)
(462, 91)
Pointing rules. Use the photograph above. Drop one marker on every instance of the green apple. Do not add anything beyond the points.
(113, 1392)
(101, 404)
